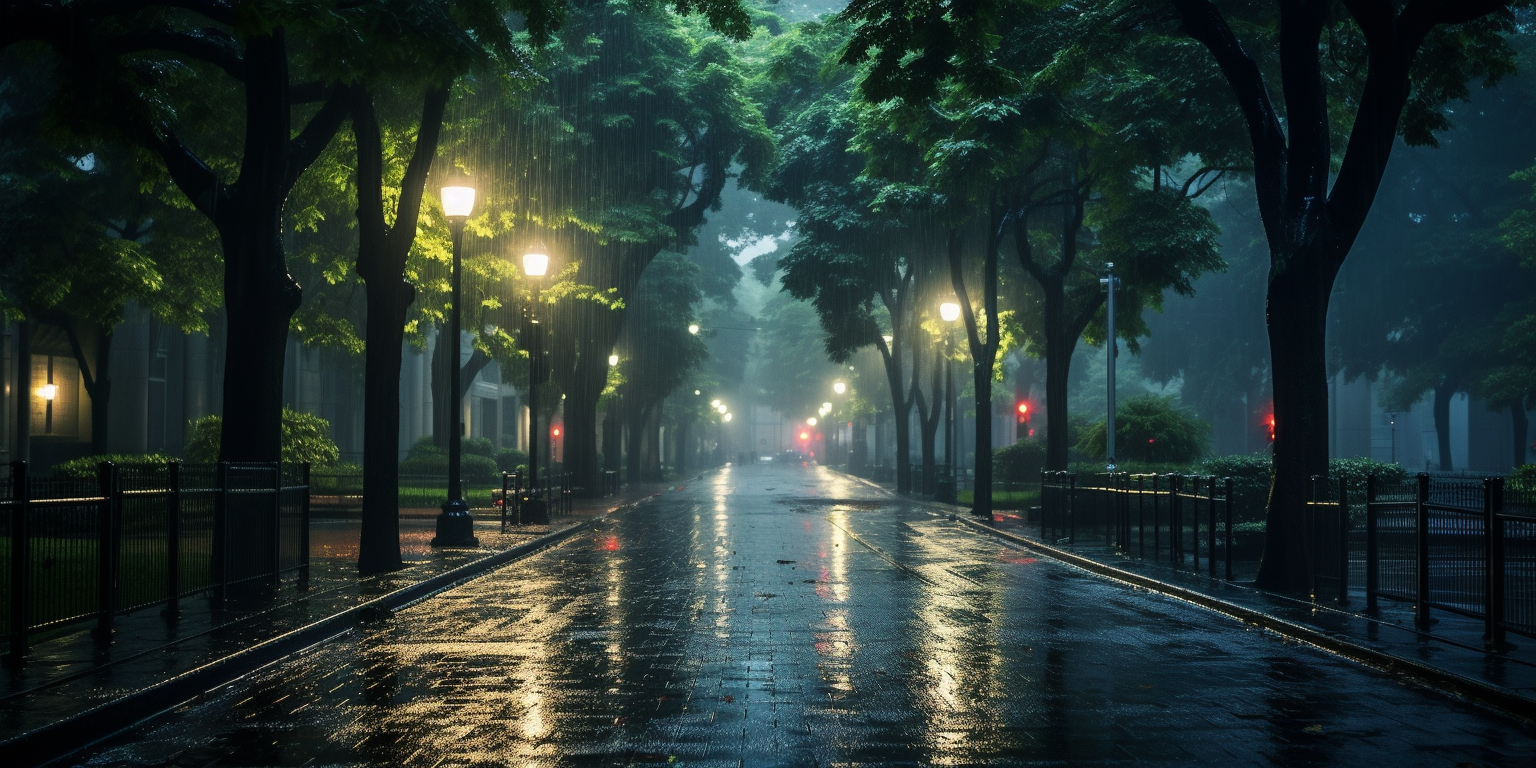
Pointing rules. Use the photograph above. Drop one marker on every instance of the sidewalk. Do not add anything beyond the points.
(1450, 657)
(67, 677)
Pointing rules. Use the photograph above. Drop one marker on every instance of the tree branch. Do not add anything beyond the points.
(210, 46)
(305, 148)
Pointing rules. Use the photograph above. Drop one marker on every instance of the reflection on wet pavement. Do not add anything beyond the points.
(770, 615)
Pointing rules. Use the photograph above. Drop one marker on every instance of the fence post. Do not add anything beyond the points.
(1210, 508)
(218, 570)
(1071, 508)
(506, 501)
(1421, 557)
(173, 539)
(1372, 565)
(275, 556)
(1045, 504)
(1343, 541)
(1141, 516)
(1194, 520)
(1157, 520)
(106, 548)
(304, 529)
(1229, 528)
(21, 563)
(1493, 534)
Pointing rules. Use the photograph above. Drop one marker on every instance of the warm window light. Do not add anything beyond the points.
(693, 328)
(614, 360)
(949, 311)
(811, 421)
(839, 387)
(727, 417)
(536, 260)
(458, 197)
(48, 391)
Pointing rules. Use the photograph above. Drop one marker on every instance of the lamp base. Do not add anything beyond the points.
(455, 528)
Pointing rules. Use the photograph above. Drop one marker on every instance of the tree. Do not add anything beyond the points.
(861, 269)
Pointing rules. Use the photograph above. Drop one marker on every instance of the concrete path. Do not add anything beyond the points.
(773, 615)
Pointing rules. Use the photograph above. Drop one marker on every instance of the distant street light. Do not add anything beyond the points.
(722, 409)
(455, 528)
(727, 417)
(811, 421)
(949, 312)
(715, 403)
(613, 360)
(839, 387)
(535, 266)
(48, 391)
(693, 328)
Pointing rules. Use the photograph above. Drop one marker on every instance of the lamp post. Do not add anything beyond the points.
(455, 528)
(1111, 282)
(949, 312)
(535, 266)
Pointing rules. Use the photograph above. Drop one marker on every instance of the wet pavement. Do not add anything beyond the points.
(772, 615)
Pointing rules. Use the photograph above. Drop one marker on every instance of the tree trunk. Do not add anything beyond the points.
(612, 430)
(379, 546)
(981, 504)
(680, 447)
(585, 387)
(1058, 364)
(1521, 424)
(1296, 316)
(901, 414)
(1442, 414)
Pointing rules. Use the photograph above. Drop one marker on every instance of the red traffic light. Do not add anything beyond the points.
(1023, 409)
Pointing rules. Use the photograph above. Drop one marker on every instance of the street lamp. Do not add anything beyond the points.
(839, 387)
(1110, 282)
(455, 528)
(535, 266)
(949, 312)
(811, 421)
(613, 361)
(693, 328)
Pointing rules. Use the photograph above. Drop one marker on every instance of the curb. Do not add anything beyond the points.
(1487, 695)
(58, 741)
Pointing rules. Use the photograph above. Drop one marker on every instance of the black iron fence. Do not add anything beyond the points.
(1462, 545)
(80, 549)
(343, 493)
(555, 491)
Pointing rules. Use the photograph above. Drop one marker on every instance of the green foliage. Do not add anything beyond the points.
(1149, 428)
(475, 468)
(306, 437)
(1248, 471)
(1356, 469)
(1524, 478)
(424, 447)
(478, 446)
(1021, 462)
(86, 466)
(511, 459)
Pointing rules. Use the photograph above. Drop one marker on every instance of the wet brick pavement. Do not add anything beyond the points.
(770, 615)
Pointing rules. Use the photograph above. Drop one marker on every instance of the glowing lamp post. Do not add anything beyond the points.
(949, 312)
(535, 266)
(455, 528)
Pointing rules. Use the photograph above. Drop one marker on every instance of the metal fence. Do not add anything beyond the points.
(343, 493)
(78, 549)
(556, 491)
(1457, 544)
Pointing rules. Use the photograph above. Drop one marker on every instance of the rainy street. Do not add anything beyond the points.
(787, 615)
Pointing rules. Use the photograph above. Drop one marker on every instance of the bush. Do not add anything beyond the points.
(509, 459)
(85, 467)
(1256, 471)
(478, 446)
(424, 447)
(1524, 478)
(306, 437)
(477, 469)
(1021, 462)
(1149, 428)
(1356, 469)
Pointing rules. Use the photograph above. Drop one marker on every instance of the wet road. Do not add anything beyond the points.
(770, 615)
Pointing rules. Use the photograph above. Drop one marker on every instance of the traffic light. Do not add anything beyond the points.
(1021, 412)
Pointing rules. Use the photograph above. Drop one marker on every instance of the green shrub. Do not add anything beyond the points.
(478, 446)
(1524, 477)
(306, 437)
(1020, 462)
(86, 466)
(477, 469)
(1247, 471)
(424, 447)
(1356, 469)
(1149, 428)
(509, 459)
